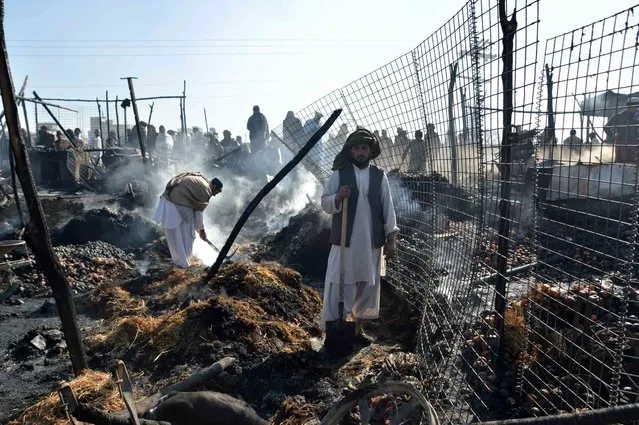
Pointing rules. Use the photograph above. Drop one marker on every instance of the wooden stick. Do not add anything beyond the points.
(26, 99)
(72, 140)
(266, 189)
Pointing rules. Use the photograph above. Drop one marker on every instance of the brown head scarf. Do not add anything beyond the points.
(361, 136)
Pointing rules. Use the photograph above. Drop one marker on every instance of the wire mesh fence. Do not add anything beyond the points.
(517, 241)
(582, 313)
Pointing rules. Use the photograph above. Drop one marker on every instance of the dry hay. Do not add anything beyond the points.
(295, 412)
(278, 289)
(176, 282)
(92, 387)
(113, 301)
(515, 331)
(218, 318)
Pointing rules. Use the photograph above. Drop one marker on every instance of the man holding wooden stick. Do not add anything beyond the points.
(371, 225)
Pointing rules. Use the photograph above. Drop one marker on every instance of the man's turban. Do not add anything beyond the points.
(361, 136)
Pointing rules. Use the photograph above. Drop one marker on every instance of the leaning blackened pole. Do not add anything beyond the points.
(266, 189)
(55, 120)
(137, 118)
(509, 28)
(37, 233)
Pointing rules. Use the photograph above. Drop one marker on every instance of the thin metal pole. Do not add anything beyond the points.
(137, 118)
(206, 122)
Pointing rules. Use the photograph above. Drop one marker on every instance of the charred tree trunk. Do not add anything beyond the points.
(550, 105)
(462, 94)
(509, 28)
(37, 233)
(451, 123)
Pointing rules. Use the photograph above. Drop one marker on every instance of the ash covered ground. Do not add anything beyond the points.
(262, 309)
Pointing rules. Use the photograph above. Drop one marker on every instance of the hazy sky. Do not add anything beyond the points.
(280, 55)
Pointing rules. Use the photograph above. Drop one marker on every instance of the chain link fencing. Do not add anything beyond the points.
(516, 253)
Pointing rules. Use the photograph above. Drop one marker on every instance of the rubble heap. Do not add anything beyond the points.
(303, 244)
(124, 230)
(86, 266)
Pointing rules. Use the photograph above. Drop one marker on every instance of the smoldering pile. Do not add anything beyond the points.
(167, 324)
(124, 230)
(303, 244)
(86, 266)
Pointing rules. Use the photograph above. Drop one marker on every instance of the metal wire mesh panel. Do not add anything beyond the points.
(582, 309)
(439, 114)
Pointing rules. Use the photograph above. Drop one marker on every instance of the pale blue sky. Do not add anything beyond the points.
(225, 49)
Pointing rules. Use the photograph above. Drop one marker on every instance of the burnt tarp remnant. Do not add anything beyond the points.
(124, 230)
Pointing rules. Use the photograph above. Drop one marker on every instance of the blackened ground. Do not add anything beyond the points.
(28, 372)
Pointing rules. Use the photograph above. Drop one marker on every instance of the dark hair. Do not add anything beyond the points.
(217, 183)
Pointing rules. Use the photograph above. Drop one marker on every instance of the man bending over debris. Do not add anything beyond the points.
(371, 226)
(181, 212)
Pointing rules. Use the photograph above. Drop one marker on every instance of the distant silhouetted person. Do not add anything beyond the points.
(228, 143)
(417, 154)
(573, 140)
(257, 126)
(293, 131)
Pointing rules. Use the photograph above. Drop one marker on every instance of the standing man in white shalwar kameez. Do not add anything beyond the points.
(371, 225)
(181, 212)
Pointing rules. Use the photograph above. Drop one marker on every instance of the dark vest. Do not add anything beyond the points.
(347, 177)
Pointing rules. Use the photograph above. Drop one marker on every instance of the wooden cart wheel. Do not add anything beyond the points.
(390, 402)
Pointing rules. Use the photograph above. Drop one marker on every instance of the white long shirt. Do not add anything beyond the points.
(362, 261)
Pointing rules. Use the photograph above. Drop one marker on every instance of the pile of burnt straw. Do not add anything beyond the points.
(167, 324)
(86, 266)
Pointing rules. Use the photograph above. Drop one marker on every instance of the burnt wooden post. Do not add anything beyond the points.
(266, 189)
(150, 113)
(117, 122)
(100, 119)
(550, 105)
(108, 118)
(465, 132)
(509, 28)
(137, 118)
(37, 233)
(451, 123)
